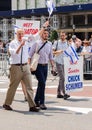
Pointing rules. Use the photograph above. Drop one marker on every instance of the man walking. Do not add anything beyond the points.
(19, 70)
(58, 48)
(42, 68)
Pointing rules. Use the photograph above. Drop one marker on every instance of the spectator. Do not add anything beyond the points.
(90, 40)
(1, 46)
(86, 47)
(77, 43)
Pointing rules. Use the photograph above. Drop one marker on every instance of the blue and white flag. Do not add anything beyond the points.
(71, 52)
(50, 6)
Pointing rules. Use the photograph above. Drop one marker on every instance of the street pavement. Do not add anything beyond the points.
(72, 114)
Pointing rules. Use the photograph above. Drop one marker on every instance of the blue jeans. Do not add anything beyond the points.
(41, 75)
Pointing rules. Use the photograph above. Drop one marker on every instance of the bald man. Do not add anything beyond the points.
(19, 70)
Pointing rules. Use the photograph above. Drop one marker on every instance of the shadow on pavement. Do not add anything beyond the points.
(78, 100)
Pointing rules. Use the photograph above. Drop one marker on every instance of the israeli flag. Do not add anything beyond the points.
(50, 6)
(71, 53)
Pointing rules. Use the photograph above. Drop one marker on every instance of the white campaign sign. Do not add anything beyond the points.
(29, 26)
(73, 75)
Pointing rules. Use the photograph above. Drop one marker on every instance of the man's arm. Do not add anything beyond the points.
(45, 25)
(19, 48)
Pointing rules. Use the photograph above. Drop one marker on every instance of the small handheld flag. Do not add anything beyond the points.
(71, 52)
(50, 6)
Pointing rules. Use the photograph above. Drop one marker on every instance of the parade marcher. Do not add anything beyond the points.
(46, 54)
(19, 70)
(61, 45)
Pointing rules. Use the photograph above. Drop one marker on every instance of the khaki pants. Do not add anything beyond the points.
(16, 75)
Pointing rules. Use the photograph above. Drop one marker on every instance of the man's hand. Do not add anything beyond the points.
(46, 24)
(58, 52)
(22, 43)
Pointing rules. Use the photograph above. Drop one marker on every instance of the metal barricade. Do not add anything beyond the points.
(4, 64)
(87, 67)
(88, 64)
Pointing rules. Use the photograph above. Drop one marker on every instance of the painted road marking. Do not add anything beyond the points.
(75, 109)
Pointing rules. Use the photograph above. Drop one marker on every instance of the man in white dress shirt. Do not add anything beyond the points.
(19, 70)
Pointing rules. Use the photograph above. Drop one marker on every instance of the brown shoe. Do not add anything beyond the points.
(7, 107)
(34, 109)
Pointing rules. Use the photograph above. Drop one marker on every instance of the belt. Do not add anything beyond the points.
(21, 64)
(43, 64)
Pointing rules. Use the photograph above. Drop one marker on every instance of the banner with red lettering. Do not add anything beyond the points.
(73, 74)
(29, 26)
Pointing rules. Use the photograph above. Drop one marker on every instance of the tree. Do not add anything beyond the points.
(53, 35)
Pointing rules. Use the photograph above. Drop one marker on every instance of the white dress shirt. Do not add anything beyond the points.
(13, 46)
(16, 58)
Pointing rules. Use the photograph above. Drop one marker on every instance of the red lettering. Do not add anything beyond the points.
(73, 71)
(31, 31)
(27, 24)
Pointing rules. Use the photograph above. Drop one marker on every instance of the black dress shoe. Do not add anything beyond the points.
(34, 109)
(37, 104)
(43, 107)
(60, 96)
(7, 107)
(66, 96)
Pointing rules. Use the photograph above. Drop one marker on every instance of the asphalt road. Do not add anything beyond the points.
(72, 114)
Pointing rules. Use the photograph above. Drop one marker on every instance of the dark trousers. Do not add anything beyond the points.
(41, 75)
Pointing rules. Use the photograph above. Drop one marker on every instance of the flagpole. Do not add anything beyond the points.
(50, 6)
(49, 18)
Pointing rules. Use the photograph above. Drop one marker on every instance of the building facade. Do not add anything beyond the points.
(73, 16)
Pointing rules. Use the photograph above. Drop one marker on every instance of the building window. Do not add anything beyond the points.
(79, 20)
(90, 19)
